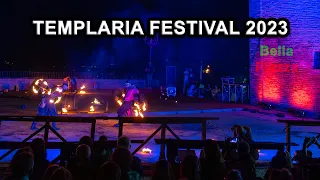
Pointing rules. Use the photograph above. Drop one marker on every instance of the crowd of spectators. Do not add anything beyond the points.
(95, 161)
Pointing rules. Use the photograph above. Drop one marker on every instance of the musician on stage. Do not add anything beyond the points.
(131, 95)
(46, 108)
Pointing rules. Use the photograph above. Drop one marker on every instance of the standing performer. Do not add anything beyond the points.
(185, 81)
(150, 70)
(46, 108)
(66, 84)
(131, 95)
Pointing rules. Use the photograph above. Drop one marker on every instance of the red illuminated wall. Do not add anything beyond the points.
(298, 89)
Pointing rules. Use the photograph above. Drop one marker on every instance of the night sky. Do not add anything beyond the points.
(21, 47)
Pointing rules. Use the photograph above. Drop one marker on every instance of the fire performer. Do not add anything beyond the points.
(46, 108)
(131, 95)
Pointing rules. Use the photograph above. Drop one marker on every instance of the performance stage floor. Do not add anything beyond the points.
(264, 126)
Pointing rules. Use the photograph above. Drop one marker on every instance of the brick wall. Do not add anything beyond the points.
(300, 87)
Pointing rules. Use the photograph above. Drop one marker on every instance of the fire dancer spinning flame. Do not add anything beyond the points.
(51, 95)
(131, 103)
(47, 105)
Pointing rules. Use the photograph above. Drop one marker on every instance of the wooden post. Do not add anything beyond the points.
(288, 136)
(46, 132)
(163, 138)
(120, 128)
(93, 129)
(204, 130)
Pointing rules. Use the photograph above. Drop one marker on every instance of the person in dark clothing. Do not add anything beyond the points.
(46, 108)
(40, 161)
(124, 142)
(190, 168)
(280, 174)
(244, 133)
(211, 162)
(101, 153)
(62, 174)
(245, 163)
(80, 167)
(87, 141)
(150, 70)
(21, 166)
(49, 172)
(123, 158)
(162, 171)
(109, 170)
(172, 157)
(234, 174)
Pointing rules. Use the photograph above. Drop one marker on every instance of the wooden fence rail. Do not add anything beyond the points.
(163, 121)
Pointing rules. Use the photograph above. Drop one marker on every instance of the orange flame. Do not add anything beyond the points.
(95, 101)
(92, 109)
(138, 109)
(64, 110)
(55, 102)
(146, 150)
(82, 90)
(119, 102)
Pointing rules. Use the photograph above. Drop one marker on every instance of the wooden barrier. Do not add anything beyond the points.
(198, 144)
(163, 121)
(295, 122)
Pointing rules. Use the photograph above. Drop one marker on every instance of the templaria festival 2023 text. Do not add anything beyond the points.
(182, 27)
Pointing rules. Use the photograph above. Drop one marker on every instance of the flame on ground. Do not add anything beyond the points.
(146, 150)
(82, 90)
(92, 109)
(64, 110)
(95, 101)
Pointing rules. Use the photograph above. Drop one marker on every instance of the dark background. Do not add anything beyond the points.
(21, 50)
